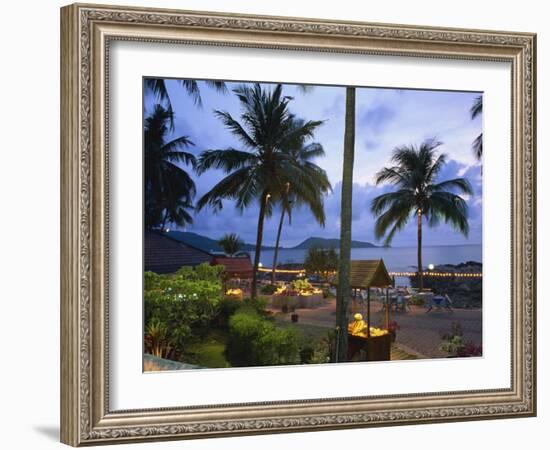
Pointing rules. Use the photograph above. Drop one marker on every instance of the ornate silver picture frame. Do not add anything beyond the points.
(87, 32)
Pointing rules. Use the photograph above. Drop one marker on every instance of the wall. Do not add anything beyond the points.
(29, 237)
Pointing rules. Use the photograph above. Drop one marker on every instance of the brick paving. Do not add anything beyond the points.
(420, 332)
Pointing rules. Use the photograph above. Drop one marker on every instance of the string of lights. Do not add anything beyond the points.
(439, 274)
(393, 274)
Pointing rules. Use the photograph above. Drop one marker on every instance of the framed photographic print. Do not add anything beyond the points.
(276, 224)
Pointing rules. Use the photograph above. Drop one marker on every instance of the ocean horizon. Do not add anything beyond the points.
(396, 259)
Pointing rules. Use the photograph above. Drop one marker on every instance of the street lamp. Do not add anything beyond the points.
(431, 267)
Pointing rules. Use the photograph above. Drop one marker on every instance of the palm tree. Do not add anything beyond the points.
(343, 292)
(419, 196)
(310, 192)
(321, 262)
(169, 189)
(259, 171)
(231, 243)
(477, 110)
(157, 86)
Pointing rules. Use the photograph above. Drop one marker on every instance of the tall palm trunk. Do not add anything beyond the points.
(279, 231)
(343, 293)
(419, 250)
(259, 238)
(276, 252)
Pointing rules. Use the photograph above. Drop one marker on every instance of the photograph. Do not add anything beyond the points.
(243, 221)
(283, 223)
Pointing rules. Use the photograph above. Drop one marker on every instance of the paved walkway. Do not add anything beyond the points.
(420, 332)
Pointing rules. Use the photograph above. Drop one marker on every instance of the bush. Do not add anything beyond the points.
(184, 302)
(228, 307)
(454, 344)
(259, 304)
(255, 341)
(268, 289)
(324, 351)
(306, 354)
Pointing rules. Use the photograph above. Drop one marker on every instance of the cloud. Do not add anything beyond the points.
(385, 119)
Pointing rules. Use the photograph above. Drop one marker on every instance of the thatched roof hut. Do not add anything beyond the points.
(367, 273)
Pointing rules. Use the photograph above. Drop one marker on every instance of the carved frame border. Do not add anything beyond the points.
(86, 31)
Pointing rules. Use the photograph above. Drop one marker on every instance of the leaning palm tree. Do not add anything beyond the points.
(169, 189)
(418, 195)
(231, 243)
(309, 192)
(258, 172)
(477, 110)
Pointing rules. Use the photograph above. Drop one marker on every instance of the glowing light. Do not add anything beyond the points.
(431, 267)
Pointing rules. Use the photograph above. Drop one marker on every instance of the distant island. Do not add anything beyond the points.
(211, 245)
(328, 243)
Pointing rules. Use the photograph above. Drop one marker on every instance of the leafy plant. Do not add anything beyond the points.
(255, 341)
(183, 304)
(301, 284)
(321, 262)
(156, 339)
(453, 343)
(268, 289)
(324, 350)
(231, 243)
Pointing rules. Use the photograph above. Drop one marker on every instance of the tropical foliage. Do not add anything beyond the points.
(231, 244)
(158, 87)
(259, 171)
(419, 195)
(477, 110)
(169, 189)
(321, 262)
(179, 306)
(310, 193)
(256, 341)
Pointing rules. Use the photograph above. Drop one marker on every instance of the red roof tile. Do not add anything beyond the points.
(237, 267)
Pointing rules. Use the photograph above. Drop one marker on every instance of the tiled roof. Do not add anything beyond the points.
(237, 267)
(162, 254)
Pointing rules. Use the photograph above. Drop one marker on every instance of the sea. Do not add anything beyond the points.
(396, 259)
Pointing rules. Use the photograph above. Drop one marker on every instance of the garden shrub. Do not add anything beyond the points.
(228, 307)
(268, 289)
(255, 341)
(184, 303)
(259, 304)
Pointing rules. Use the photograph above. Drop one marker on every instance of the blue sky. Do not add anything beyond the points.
(385, 118)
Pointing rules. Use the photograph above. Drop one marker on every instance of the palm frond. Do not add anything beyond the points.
(461, 185)
(236, 128)
(229, 188)
(477, 107)
(477, 146)
(227, 160)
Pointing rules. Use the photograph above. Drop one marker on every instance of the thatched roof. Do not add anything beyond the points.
(365, 273)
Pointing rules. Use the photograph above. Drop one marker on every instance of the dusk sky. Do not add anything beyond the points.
(385, 118)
